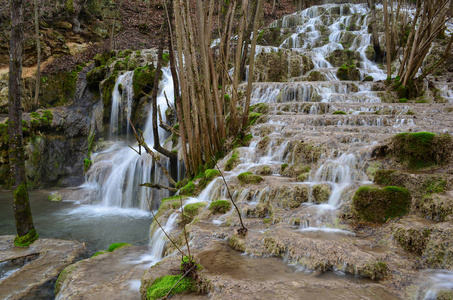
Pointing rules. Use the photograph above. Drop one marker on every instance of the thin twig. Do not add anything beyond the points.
(244, 230)
(184, 228)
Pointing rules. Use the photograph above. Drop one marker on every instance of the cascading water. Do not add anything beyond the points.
(115, 177)
(121, 103)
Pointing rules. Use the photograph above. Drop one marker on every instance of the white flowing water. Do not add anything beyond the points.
(121, 103)
(115, 177)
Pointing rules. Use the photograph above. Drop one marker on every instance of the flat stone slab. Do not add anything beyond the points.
(111, 275)
(42, 263)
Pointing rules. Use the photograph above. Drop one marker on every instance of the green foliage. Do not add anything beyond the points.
(26, 240)
(339, 112)
(70, 6)
(103, 58)
(162, 285)
(242, 140)
(95, 76)
(283, 167)
(87, 164)
(377, 205)
(422, 149)
(165, 59)
(249, 178)
(220, 206)
(403, 100)
(115, 246)
(233, 161)
(434, 185)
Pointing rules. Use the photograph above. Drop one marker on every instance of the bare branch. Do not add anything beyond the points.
(158, 186)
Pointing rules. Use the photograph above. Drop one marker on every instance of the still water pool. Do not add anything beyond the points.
(96, 226)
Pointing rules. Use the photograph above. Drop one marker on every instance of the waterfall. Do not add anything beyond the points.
(115, 177)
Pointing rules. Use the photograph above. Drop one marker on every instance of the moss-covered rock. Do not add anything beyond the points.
(413, 240)
(436, 207)
(280, 66)
(237, 243)
(95, 76)
(377, 205)
(191, 210)
(272, 36)
(116, 246)
(376, 271)
(188, 189)
(422, 149)
(233, 161)
(340, 57)
(143, 80)
(348, 72)
(261, 108)
(316, 76)
(220, 206)
(249, 178)
(321, 193)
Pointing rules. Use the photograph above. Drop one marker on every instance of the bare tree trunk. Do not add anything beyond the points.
(387, 40)
(251, 64)
(38, 47)
(376, 46)
(26, 232)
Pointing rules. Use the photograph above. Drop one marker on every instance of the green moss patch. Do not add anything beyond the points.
(220, 206)
(188, 189)
(162, 285)
(253, 118)
(249, 178)
(115, 246)
(191, 210)
(26, 240)
(339, 112)
(143, 81)
(422, 149)
(377, 205)
(348, 72)
(233, 161)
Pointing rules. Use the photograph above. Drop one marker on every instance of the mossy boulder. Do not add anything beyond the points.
(249, 178)
(377, 205)
(348, 72)
(220, 206)
(422, 149)
(261, 108)
(340, 57)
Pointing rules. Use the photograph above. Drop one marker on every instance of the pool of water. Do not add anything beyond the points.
(95, 225)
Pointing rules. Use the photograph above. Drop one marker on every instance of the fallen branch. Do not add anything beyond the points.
(159, 186)
(142, 143)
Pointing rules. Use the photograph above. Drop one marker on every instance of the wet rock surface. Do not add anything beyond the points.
(32, 271)
(110, 275)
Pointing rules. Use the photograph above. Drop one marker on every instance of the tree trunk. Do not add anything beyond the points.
(26, 232)
(376, 46)
(38, 47)
(387, 40)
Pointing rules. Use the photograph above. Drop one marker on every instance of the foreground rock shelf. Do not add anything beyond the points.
(33, 270)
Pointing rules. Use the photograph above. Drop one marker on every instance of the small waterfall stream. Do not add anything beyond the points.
(115, 177)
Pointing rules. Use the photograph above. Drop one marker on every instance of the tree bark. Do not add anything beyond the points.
(376, 45)
(387, 40)
(38, 47)
(22, 211)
